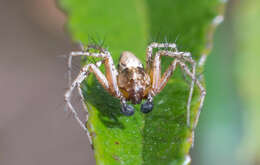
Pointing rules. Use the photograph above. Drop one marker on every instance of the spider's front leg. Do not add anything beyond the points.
(76, 84)
(109, 82)
(158, 82)
(149, 52)
(148, 105)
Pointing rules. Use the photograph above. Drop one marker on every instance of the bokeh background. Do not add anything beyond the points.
(34, 129)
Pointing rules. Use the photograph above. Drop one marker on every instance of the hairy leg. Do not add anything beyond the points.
(202, 97)
(149, 52)
(153, 66)
(159, 83)
(108, 82)
(67, 96)
(111, 72)
(76, 83)
(111, 78)
(201, 88)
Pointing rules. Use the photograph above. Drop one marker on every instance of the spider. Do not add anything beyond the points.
(132, 82)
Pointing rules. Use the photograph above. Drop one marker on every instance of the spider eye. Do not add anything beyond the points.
(127, 110)
(147, 107)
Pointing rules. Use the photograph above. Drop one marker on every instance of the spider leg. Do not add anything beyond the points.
(69, 69)
(202, 97)
(159, 83)
(111, 76)
(76, 82)
(183, 57)
(108, 82)
(154, 67)
(201, 88)
(80, 53)
(82, 101)
(166, 76)
(149, 52)
(111, 72)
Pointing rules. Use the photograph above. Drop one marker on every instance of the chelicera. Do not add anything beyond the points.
(132, 82)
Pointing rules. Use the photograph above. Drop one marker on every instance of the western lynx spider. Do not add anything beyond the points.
(132, 82)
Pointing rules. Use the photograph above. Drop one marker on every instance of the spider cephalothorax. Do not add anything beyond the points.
(132, 82)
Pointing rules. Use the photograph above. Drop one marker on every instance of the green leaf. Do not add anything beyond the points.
(162, 136)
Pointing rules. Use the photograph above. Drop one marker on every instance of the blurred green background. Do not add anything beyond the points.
(228, 132)
(33, 126)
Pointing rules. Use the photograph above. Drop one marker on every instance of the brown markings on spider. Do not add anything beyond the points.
(132, 82)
